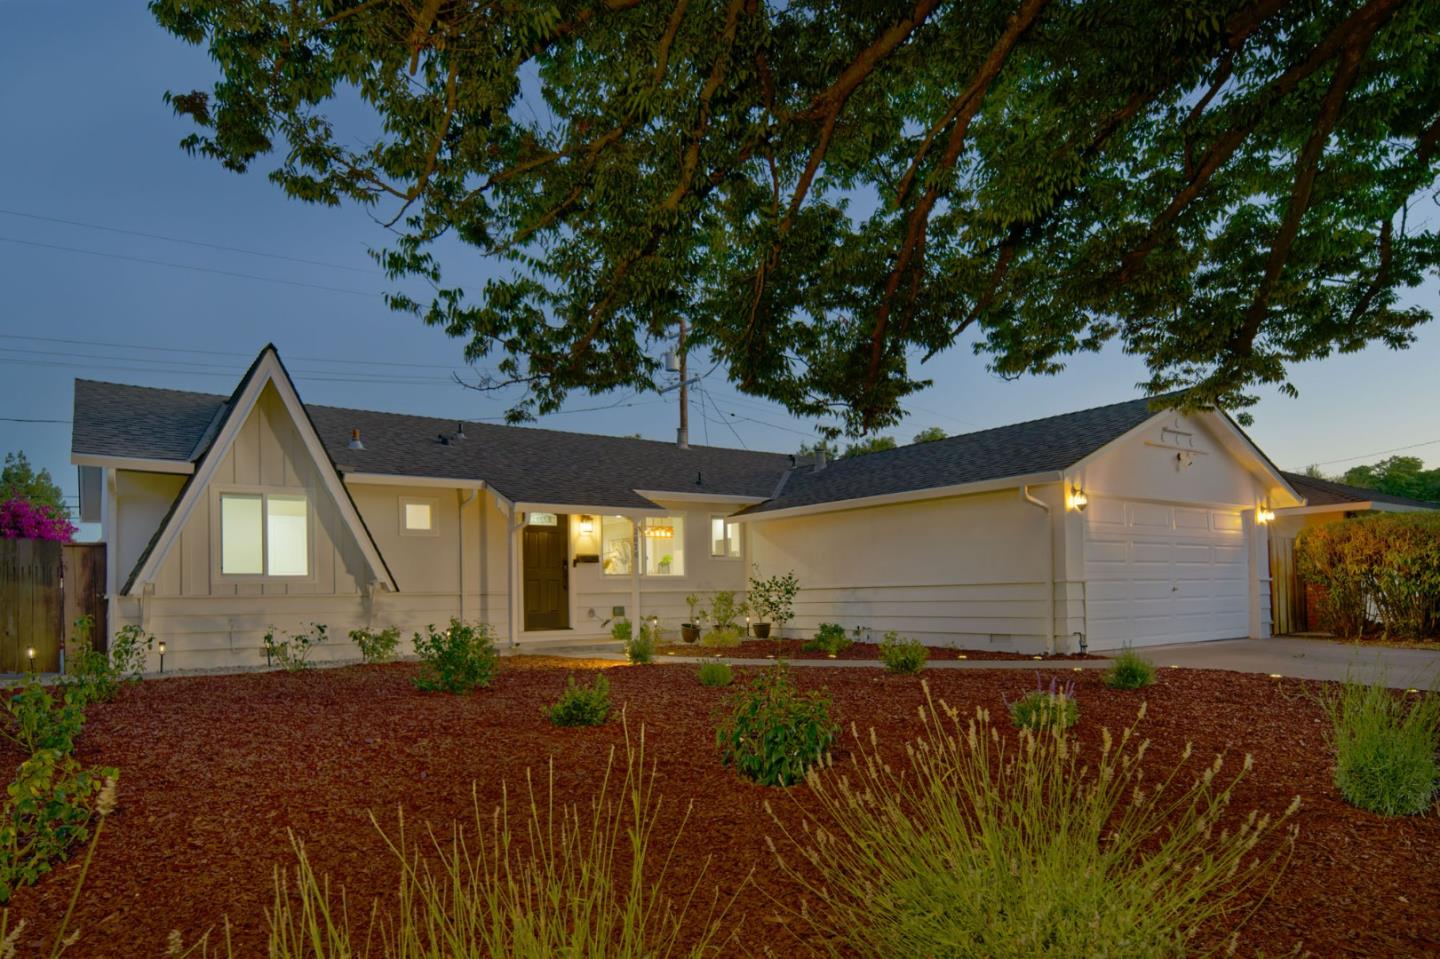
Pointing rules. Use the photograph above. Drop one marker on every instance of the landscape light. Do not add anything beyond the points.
(31, 653)
(162, 657)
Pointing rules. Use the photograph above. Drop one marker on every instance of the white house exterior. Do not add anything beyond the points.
(225, 516)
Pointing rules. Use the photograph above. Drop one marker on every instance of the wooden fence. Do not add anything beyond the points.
(1287, 591)
(44, 587)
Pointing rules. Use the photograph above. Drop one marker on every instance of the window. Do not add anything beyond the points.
(417, 517)
(617, 546)
(724, 538)
(664, 545)
(543, 519)
(264, 534)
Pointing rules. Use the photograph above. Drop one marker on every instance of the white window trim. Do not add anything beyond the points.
(217, 574)
(725, 522)
(635, 558)
(429, 501)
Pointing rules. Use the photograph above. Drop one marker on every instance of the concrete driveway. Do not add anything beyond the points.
(1307, 659)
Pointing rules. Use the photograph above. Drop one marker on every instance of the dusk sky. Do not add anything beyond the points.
(90, 161)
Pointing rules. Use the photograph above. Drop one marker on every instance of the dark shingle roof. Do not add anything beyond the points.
(521, 463)
(1320, 492)
(1038, 446)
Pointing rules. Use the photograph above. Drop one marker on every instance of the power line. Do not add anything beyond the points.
(1398, 449)
(200, 243)
(186, 266)
(313, 376)
(706, 395)
(236, 353)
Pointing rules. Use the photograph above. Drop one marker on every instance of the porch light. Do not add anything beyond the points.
(587, 525)
(1264, 514)
(1077, 499)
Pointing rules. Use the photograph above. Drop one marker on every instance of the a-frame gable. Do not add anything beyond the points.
(267, 370)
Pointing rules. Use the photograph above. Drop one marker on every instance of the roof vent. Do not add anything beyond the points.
(699, 478)
(820, 457)
(459, 431)
(355, 443)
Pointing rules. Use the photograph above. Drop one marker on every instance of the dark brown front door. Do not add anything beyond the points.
(546, 562)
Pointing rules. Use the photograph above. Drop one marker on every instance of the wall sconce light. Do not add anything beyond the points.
(1264, 514)
(587, 525)
(1078, 499)
(162, 657)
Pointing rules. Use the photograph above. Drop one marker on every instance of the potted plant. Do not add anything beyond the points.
(773, 600)
(665, 564)
(690, 631)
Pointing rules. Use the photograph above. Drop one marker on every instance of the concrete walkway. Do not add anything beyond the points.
(1297, 658)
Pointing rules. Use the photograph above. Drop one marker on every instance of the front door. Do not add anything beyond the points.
(546, 560)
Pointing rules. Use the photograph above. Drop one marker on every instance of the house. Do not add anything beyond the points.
(1326, 501)
(225, 515)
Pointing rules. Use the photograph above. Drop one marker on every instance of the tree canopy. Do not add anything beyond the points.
(1398, 476)
(831, 194)
(18, 480)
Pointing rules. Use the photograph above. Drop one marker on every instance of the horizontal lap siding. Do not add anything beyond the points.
(963, 571)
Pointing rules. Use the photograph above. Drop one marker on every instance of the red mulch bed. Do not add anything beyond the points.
(793, 649)
(216, 769)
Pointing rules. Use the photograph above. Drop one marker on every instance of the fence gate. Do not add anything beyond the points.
(31, 604)
(1287, 592)
(85, 590)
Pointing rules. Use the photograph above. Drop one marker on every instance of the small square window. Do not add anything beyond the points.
(417, 516)
(724, 538)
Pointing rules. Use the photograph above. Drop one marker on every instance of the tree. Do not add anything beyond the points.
(825, 193)
(930, 434)
(873, 444)
(1398, 476)
(18, 480)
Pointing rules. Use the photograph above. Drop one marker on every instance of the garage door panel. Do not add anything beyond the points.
(1174, 573)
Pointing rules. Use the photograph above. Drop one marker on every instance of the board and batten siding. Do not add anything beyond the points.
(966, 571)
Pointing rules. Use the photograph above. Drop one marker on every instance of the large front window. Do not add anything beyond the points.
(664, 545)
(264, 534)
(617, 545)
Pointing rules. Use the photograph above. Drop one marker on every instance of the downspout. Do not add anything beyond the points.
(466, 498)
(1049, 566)
(512, 527)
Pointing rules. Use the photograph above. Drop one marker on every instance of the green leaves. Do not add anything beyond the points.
(457, 660)
(1217, 186)
(774, 733)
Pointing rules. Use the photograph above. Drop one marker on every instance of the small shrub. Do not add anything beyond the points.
(902, 655)
(457, 659)
(727, 638)
(47, 811)
(716, 674)
(773, 599)
(39, 722)
(971, 844)
(376, 647)
(774, 733)
(1129, 670)
(724, 610)
(620, 630)
(293, 652)
(830, 638)
(130, 652)
(1045, 708)
(581, 705)
(1385, 747)
(640, 649)
(91, 676)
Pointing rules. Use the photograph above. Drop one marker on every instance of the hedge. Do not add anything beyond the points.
(1383, 566)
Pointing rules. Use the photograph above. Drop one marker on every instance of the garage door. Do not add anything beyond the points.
(1164, 573)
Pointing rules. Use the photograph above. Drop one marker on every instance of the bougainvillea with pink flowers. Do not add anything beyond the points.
(22, 519)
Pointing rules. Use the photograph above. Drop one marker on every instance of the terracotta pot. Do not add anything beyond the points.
(761, 630)
(689, 633)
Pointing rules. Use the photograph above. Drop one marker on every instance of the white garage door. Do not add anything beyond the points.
(1164, 573)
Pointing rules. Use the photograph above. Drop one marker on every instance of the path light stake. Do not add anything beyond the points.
(162, 657)
(31, 653)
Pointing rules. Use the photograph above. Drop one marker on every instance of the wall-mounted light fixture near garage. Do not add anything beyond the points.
(1077, 499)
(1264, 514)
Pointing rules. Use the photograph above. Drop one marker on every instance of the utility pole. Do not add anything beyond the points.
(682, 435)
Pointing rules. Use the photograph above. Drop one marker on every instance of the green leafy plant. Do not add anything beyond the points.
(377, 647)
(292, 653)
(532, 879)
(457, 659)
(698, 615)
(1045, 707)
(46, 812)
(1129, 670)
(581, 705)
(727, 638)
(89, 673)
(621, 631)
(640, 649)
(773, 599)
(38, 721)
(1388, 562)
(973, 844)
(901, 655)
(830, 638)
(773, 732)
(130, 651)
(715, 673)
(725, 612)
(1385, 746)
